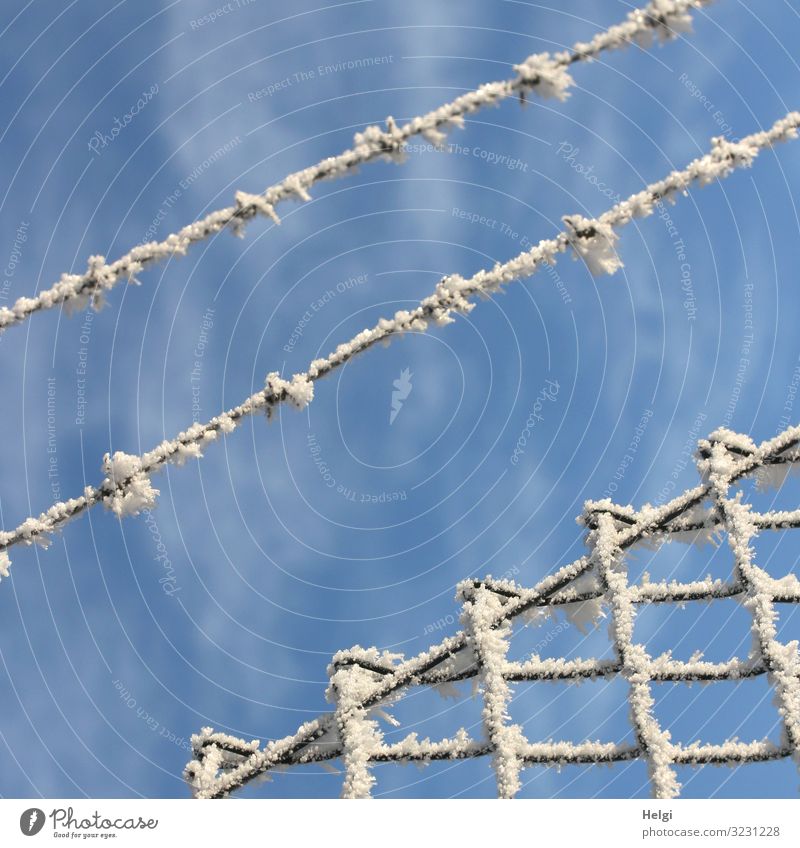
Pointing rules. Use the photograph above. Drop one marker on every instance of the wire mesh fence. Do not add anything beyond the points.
(366, 682)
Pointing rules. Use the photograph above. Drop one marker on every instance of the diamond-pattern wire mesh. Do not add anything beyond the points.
(365, 680)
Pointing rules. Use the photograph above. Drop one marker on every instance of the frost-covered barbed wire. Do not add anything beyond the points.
(544, 73)
(126, 487)
(223, 764)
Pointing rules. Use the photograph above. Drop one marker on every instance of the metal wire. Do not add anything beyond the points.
(362, 680)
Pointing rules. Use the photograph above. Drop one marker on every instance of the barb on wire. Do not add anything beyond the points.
(543, 73)
(222, 764)
(126, 487)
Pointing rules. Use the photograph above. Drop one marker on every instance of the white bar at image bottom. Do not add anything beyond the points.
(387, 823)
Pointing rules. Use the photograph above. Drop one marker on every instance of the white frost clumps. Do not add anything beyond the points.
(423, 750)
(663, 19)
(299, 391)
(224, 423)
(132, 491)
(202, 774)
(247, 204)
(781, 660)
(5, 563)
(740, 441)
(184, 452)
(350, 686)
(708, 535)
(705, 532)
(211, 759)
(548, 75)
(364, 680)
(585, 614)
(35, 530)
(672, 16)
(774, 476)
(655, 742)
(127, 490)
(594, 241)
(388, 142)
(360, 734)
(490, 644)
(543, 73)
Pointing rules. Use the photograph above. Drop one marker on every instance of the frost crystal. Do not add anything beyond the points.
(592, 239)
(543, 73)
(128, 485)
(364, 681)
(585, 614)
(774, 476)
(225, 423)
(594, 242)
(548, 76)
(490, 644)
(255, 203)
(360, 734)
(299, 390)
(654, 741)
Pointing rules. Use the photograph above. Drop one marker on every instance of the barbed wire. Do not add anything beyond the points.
(365, 682)
(127, 489)
(543, 73)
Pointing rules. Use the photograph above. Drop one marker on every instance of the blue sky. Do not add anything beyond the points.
(271, 569)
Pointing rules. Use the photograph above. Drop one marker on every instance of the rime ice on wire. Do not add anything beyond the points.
(479, 652)
(542, 73)
(453, 294)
